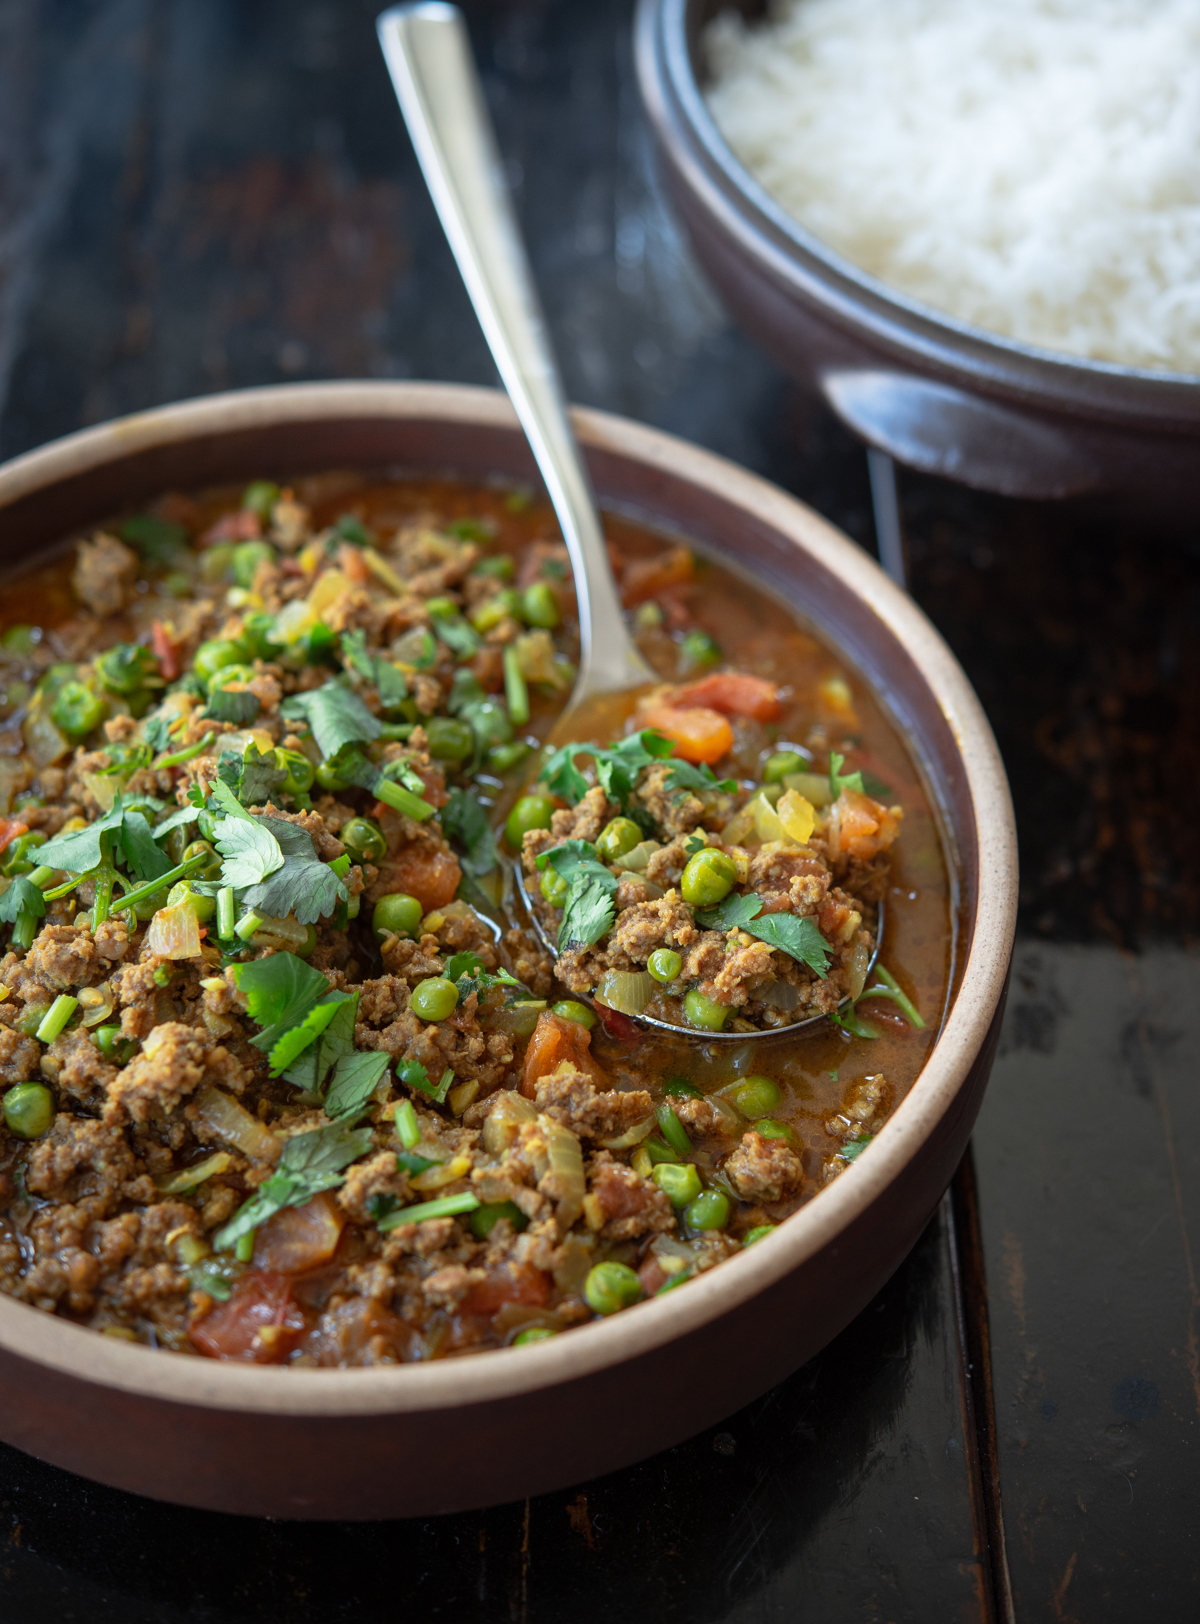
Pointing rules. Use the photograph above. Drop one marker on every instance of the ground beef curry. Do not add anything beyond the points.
(319, 1005)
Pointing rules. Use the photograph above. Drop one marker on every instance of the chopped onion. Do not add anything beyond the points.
(739, 826)
(813, 786)
(860, 963)
(503, 1122)
(284, 933)
(797, 816)
(103, 790)
(637, 859)
(627, 991)
(563, 1181)
(519, 1018)
(436, 1178)
(42, 739)
(632, 1136)
(96, 1003)
(174, 933)
(196, 1174)
(327, 589)
(217, 1114)
(780, 995)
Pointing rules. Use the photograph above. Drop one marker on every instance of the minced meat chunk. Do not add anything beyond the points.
(105, 572)
(764, 1169)
(571, 1097)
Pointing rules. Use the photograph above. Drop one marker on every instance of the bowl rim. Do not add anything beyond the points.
(75, 1351)
(794, 256)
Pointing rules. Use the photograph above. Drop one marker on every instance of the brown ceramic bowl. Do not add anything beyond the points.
(417, 1439)
(934, 392)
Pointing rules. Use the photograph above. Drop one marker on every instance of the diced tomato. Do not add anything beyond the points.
(698, 735)
(865, 828)
(424, 872)
(165, 651)
(733, 693)
(10, 828)
(259, 1324)
(352, 564)
(554, 1041)
(620, 1026)
(300, 1238)
(518, 1283)
(652, 1275)
(645, 577)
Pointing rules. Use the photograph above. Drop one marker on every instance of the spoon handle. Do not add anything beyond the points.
(428, 55)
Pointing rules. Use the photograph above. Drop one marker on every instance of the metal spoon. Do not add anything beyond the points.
(428, 54)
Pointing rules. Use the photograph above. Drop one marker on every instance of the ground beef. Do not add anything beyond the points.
(105, 572)
(764, 1169)
(571, 1097)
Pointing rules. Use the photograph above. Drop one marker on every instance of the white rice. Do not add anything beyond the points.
(1029, 166)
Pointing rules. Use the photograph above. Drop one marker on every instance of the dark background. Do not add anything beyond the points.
(199, 196)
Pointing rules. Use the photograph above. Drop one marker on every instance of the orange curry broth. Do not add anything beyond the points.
(818, 1067)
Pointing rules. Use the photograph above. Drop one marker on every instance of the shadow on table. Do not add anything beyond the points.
(846, 1484)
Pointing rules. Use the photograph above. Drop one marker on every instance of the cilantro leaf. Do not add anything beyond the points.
(221, 793)
(251, 852)
(311, 1162)
(175, 820)
(141, 854)
(589, 912)
(237, 705)
(158, 540)
(336, 715)
(354, 1083)
(457, 634)
(288, 1049)
(82, 851)
(875, 787)
(385, 674)
(157, 729)
(466, 827)
(22, 904)
(279, 993)
(299, 884)
(413, 1074)
(252, 777)
(853, 1148)
(617, 769)
(837, 783)
(469, 975)
(799, 938)
(333, 1044)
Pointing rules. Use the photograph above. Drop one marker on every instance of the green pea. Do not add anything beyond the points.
(770, 1128)
(397, 914)
(539, 606)
(328, 777)
(202, 848)
(123, 669)
(500, 565)
(229, 674)
(699, 650)
(571, 1010)
(664, 964)
(708, 1211)
(258, 636)
(616, 838)
(310, 942)
(679, 1182)
(215, 563)
(203, 907)
(364, 840)
(260, 497)
(754, 1096)
(530, 812)
(502, 758)
(777, 767)
(248, 557)
(28, 1110)
(484, 1219)
(299, 769)
(449, 740)
(704, 1012)
(535, 1333)
(554, 888)
(77, 710)
(149, 906)
(434, 999)
(107, 1038)
(757, 1233)
(210, 657)
(609, 1287)
(504, 606)
(489, 723)
(708, 878)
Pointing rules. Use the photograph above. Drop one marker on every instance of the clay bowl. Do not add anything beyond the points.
(934, 392)
(418, 1439)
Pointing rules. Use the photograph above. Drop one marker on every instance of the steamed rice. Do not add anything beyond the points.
(1028, 166)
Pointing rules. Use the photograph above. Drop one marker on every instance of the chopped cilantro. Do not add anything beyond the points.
(279, 992)
(336, 715)
(302, 885)
(251, 852)
(21, 906)
(413, 1074)
(457, 634)
(385, 674)
(158, 540)
(311, 1162)
(332, 1045)
(379, 1206)
(354, 1082)
(837, 781)
(467, 972)
(237, 705)
(798, 937)
(875, 787)
(253, 776)
(466, 827)
(288, 1048)
(588, 911)
(175, 820)
(854, 1148)
(617, 768)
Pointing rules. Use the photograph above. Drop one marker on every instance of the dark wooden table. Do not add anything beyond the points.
(198, 196)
